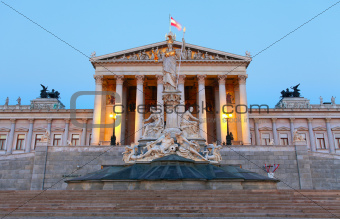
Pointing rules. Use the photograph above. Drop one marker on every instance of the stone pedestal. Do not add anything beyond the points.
(42, 143)
(171, 100)
(47, 103)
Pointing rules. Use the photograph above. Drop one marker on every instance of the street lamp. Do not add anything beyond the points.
(229, 136)
(113, 137)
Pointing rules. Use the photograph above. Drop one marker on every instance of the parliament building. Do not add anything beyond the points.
(129, 83)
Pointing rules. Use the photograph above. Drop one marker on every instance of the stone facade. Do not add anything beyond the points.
(299, 169)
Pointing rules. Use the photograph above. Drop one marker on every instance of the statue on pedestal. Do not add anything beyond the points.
(321, 100)
(7, 101)
(213, 152)
(155, 151)
(190, 128)
(169, 65)
(130, 153)
(297, 136)
(333, 100)
(188, 149)
(46, 137)
(19, 101)
(154, 128)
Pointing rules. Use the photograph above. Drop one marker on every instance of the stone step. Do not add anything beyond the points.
(252, 203)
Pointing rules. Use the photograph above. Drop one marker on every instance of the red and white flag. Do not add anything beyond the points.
(175, 24)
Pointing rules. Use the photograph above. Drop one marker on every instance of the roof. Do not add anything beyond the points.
(171, 167)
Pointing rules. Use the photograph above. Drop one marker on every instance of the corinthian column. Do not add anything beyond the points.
(311, 134)
(257, 132)
(49, 128)
(160, 91)
(97, 110)
(83, 133)
(276, 141)
(139, 103)
(292, 130)
(181, 108)
(202, 106)
(222, 106)
(9, 144)
(118, 108)
(67, 126)
(29, 136)
(244, 116)
(330, 136)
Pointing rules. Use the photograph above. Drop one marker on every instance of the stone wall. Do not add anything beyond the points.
(325, 171)
(16, 171)
(254, 158)
(299, 169)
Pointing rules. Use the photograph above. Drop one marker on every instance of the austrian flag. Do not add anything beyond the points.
(176, 24)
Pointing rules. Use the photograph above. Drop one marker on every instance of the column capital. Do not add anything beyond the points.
(140, 79)
(274, 119)
(221, 79)
(201, 79)
(119, 79)
(159, 79)
(328, 120)
(98, 78)
(31, 120)
(291, 119)
(242, 79)
(181, 79)
(256, 120)
(12, 120)
(49, 120)
(67, 121)
(310, 119)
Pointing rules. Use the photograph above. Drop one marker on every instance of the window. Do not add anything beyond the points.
(57, 140)
(75, 139)
(337, 140)
(265, 138)
(320, 141)
(20, 142)
(37, 139)
(283, 139)
(2, 141)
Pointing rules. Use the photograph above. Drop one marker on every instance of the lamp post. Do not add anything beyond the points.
(229, 136)
(113, 137)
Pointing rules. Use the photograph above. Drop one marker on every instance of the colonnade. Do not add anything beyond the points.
(312, 140)
(11, 141)
(220, 103)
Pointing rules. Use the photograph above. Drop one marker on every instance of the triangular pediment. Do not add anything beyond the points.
(337, 128)
(21, 129)
(283, 128)
(319, 128)
(192, 53)
(40, 129)
(265, 129)
(4, 129)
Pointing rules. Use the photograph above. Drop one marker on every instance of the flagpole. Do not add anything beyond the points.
(180, 57)
(169, 23)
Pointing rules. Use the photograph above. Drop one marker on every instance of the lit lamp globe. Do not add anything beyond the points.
(113, 115)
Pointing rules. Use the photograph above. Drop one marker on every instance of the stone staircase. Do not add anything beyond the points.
(170, 203)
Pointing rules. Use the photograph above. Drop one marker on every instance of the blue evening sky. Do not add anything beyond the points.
(30, 56)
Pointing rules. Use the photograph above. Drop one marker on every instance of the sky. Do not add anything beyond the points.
(31, 56)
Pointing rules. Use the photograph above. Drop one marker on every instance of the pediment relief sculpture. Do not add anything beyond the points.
(157, 51)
